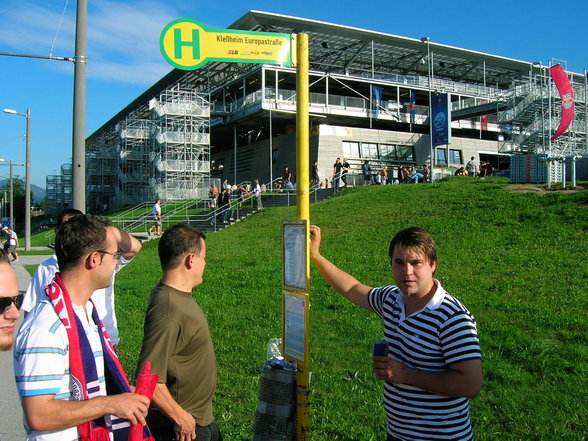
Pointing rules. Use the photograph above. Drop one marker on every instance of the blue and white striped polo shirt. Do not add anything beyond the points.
(442, 333)
(41, 361)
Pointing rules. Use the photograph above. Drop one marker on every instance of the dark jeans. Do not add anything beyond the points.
(392, 438)
(204, 433)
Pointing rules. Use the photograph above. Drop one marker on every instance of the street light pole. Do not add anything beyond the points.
(11, 198)
(27, 178)
(28, 184)
(79, 111)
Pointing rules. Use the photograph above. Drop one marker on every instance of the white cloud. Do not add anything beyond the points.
(122, 36)
(29, 28)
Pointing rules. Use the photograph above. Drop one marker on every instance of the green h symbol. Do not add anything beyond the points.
(178, 44)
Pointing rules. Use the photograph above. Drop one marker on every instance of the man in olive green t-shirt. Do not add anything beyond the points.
(177, 343)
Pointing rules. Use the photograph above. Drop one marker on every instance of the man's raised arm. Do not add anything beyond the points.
(128, 244)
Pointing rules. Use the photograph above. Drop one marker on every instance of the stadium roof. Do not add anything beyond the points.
(344, 50)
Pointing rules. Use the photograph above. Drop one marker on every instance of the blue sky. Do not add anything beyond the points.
(124, 58)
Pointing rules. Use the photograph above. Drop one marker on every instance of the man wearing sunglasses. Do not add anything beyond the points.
(70, 381)
(103, 298)
(10, 302)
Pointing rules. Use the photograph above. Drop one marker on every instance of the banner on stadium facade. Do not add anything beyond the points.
(440, 119)
(376, 100)
(566, 93)
(188, 45)
(412, 106)
(483, 118)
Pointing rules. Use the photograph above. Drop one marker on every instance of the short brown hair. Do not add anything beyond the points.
(176, 242)
(67, 213)
(78, 237)
(417, 239)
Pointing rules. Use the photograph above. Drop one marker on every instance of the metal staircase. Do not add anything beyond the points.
(211, 220)
(530, 120)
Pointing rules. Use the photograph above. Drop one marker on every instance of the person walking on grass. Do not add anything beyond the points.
(471, 167)
(11, 243)
(178, 345)
(156, 213)
(366, 171)
(433, 362)
(337, 167)
(345, 167)
(315, 174)
(257, 194)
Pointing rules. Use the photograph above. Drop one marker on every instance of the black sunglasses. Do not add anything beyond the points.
(5, 302)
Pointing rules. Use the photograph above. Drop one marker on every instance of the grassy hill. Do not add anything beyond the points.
(517, 260)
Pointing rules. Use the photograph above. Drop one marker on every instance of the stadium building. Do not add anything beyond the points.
(236, 121)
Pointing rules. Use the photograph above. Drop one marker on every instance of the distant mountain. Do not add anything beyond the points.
(38, 192)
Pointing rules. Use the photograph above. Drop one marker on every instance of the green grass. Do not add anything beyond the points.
(517, 260)
(42, 239)
(46, 252)
(31, 269)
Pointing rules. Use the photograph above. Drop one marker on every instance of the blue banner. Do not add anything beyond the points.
(376, 100)
(441, 119)
(412, 106)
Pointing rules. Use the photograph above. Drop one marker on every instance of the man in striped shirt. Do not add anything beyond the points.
(433, 362)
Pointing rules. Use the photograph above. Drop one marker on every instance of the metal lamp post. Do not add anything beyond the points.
(27, 176)
(427, 41)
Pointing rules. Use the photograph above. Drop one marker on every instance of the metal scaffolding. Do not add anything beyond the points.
(100, 178)
(163, 153)
(59, 190)
(181, 144)
(132, 155)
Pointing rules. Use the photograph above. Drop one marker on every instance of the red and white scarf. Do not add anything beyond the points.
(82, 367)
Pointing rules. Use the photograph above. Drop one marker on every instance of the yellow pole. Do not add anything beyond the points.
(302, 129)
(303, 213)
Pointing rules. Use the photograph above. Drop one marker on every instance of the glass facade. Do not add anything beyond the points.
(383, 152)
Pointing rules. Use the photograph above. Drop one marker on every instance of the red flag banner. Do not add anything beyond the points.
(483, 119)
(484, 123)
(566, 93)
